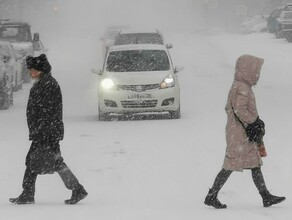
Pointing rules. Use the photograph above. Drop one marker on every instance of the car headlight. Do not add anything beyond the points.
(107, 83)
(167, 82)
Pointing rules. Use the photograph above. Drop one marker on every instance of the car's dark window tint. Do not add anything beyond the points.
(15, 33)
(137, 60)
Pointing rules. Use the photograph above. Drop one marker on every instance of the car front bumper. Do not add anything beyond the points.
(124, 101)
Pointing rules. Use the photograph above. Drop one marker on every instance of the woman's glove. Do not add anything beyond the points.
(262, 150)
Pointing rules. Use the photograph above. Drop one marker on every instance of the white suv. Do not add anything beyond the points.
(20, 36)
(138, 78)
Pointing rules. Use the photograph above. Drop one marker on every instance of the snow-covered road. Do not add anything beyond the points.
(156, 169)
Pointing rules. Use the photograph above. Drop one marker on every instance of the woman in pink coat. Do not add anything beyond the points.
(241, 153)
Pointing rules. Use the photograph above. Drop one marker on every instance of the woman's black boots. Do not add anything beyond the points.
(269, 199)
(212, 200)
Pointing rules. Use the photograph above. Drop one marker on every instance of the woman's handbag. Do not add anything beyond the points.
(254, 131)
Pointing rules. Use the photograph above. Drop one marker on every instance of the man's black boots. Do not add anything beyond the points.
(78, 194)
(24, 198)
(212, 200)
(269, 199)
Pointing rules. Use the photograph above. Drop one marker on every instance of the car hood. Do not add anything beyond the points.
(137, 78)
(22, 46)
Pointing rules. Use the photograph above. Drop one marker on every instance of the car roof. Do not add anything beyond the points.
(14, 23)
(137, 47)
(139, 30)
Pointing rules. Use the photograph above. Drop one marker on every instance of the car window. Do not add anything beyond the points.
(137, 60)
(15, 33)
(138, 38)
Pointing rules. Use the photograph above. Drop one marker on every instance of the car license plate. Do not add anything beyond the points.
(140, 96)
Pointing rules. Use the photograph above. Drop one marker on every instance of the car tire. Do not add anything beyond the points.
(103, 116)
(6, 101)
(175, 114)
(289, 38)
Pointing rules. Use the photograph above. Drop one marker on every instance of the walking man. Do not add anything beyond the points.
(45, 123)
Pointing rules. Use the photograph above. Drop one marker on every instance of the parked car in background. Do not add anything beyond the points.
(285, 25)
(6, 93)
(272, 19)
(13, 62)
(131, 36)
(138, 78)
(19, 34)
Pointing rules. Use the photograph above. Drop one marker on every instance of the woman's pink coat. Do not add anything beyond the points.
(240, 153)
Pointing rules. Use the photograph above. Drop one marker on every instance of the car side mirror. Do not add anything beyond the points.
(95, 71)
(178, 69)
(36, 37)
(169, 46)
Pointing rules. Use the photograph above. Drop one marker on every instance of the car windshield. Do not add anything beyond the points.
(15, 33)
(137, 61)
(276, 13)
(138, 38)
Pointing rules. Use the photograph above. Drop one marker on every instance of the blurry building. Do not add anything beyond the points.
(228, 14)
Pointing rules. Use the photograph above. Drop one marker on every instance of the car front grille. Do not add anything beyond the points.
(139, 103)
(138, 88)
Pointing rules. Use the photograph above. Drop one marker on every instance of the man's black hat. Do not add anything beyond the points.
(39, 63)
